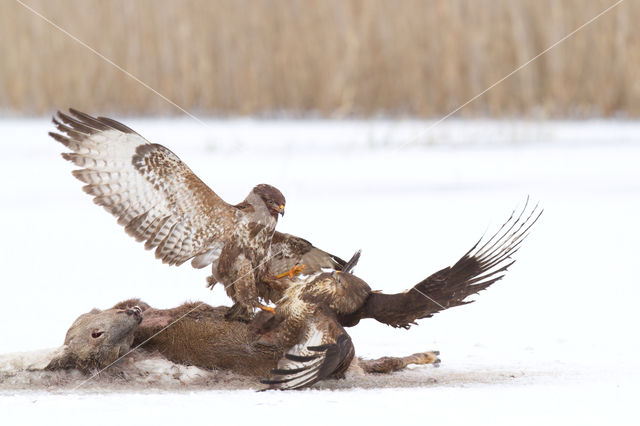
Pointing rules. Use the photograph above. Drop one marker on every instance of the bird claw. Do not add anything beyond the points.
(274, 282)
(296, 270)
(267, 308)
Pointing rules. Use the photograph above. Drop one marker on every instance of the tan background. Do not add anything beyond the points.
(322, 57)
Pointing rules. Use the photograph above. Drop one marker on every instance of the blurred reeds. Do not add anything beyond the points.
(326, 57)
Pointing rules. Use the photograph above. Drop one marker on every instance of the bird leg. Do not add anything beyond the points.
(274, 281)
(389, 364)
(296, 270)
(244, 313)
(267, 308)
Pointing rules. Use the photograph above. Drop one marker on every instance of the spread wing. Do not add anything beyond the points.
(154, 195)
(483, 265)
(289, 251)
(324, 350)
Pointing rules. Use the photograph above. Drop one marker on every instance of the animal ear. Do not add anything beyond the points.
(95, 311)
(63, 360)
(130, 303)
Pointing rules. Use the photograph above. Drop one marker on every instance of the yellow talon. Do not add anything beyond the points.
(267, 308)
(296, 270)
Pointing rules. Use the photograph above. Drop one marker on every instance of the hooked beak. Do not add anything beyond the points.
(281, 209)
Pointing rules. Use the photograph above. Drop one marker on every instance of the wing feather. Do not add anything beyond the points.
(289, 251)
(484, 264)
(324, 350)
(151, 192)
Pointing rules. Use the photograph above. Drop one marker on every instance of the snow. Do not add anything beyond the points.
(555, 341)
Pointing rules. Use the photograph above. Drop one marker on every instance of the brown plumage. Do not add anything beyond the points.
(314, 309)
(160, 201)
(315, 344)
(289, 251)
(484, 264)
(315, 348)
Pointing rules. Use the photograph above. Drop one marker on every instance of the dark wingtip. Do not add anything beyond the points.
(348, 267)
(116, 125)
(75, 112)
(58, 137)
(300, 358)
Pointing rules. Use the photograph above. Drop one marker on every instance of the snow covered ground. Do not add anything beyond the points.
(555, 341)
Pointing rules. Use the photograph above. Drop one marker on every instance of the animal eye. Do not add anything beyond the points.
(95, 334)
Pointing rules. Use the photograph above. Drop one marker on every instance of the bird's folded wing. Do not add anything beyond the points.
(325, 350)
(288, 251)
(483, 265)
(154, 195)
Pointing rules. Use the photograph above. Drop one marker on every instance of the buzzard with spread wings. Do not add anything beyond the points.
(160, 201)
(311, 316)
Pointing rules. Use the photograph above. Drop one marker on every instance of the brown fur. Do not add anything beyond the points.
(389, 364)
(201, 336)
(97, 339)
(193, 334)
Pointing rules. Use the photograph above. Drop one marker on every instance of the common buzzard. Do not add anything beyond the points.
(160, 201)
(314, 309)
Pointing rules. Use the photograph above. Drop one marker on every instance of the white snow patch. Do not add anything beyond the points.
(551, 343)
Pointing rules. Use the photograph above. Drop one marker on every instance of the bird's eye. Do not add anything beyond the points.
(95, 334)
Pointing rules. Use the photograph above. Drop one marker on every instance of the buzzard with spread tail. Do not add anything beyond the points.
(311, 316)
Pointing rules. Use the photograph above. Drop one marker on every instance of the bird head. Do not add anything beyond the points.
(273, 199)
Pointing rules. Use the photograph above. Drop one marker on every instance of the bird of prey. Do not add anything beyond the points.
(160, 201)
(317, 345)
(322, 349)
(311, 316)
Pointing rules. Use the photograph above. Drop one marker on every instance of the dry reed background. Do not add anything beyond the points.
(327, 57)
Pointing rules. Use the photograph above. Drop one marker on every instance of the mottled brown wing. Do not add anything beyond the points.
(154, 195)
(288, 251)
(483, 265)
(324, 350)
(343, 292)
